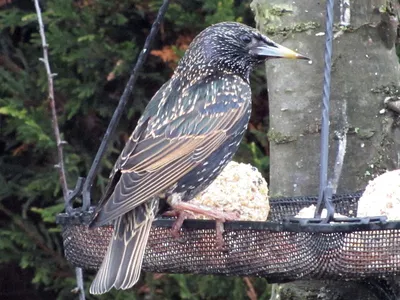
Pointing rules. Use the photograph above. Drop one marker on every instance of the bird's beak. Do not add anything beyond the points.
(275, 51)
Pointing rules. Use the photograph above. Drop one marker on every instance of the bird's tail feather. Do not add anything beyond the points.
(123, 261)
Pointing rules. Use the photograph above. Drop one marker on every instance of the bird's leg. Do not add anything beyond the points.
(176, 227)
(171, 214)
(210, 212)
(219, 230)
(184, 207)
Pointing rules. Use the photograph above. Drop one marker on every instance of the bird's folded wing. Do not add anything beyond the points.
(164, 155)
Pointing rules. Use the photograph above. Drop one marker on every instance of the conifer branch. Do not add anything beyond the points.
(33, 235)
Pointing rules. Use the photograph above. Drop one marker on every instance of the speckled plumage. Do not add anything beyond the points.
(187, 134)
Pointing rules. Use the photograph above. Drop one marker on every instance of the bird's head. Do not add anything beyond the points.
(234, 47)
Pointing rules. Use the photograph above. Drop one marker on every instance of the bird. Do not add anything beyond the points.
(186, 135)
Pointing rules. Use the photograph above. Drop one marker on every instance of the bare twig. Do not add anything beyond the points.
(59, 142)
(121, 105)
(251, 292)
(45, 60)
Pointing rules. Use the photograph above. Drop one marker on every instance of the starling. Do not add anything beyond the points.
(188, 132)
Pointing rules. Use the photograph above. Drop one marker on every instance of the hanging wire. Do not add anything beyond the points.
(324, 191)
(120, 108)
(79, 283)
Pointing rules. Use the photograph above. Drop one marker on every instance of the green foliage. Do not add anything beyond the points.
(93, 45)
(220, 11)
(49, 213)
(250, 153)
(193, 287)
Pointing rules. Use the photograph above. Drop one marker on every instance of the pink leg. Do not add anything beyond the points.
(219, 230)
(206, 211)
(176, 227)
(171, 214)
(219, 216)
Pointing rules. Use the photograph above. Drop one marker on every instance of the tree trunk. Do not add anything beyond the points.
(364, 69)
(364, 139)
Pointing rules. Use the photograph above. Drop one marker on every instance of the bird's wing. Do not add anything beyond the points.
(177, 140)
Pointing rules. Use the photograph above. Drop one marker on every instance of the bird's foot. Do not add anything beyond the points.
(185, 208)
(176, 227)
(171, 214)
(219, 230)
(206, 211)
(219, 216)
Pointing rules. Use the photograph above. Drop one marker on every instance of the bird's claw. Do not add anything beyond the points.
(176, 227)
(219, 230)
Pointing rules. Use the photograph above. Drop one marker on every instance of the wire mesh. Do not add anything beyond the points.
(252, 250)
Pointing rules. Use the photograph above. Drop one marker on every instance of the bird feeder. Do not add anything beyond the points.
(281, 249)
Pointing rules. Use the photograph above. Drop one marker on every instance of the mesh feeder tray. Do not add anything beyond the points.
(278, 250)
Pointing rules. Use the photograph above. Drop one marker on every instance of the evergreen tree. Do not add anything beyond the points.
(93, 45)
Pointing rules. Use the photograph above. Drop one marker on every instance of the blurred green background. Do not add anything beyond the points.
(93, 45)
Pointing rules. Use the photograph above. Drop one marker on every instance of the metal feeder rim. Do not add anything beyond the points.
(315, 227)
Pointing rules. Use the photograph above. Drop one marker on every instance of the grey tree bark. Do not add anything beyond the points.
(364, 136)
(365, 67)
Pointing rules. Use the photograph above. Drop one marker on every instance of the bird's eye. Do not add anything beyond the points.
(246, 39)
